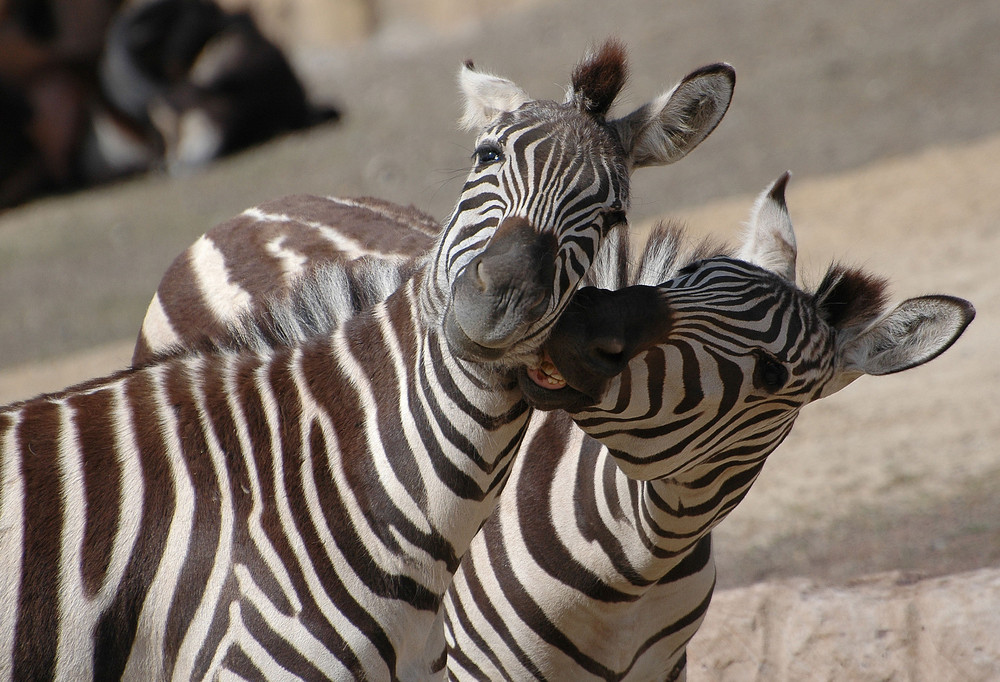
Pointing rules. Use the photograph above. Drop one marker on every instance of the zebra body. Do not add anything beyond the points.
(324, 490)
(256, 460)
(614, 585)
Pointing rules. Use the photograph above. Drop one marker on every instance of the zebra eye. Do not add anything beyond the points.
(487, 154)
(769, 374)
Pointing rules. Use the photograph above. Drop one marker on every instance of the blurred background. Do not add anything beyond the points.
(821, 88)
(887, 113)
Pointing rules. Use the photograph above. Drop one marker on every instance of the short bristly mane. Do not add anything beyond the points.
(666, 251)
(314, 305)
(845, 297)
(320, 301)
(850, 297)
(598, 79)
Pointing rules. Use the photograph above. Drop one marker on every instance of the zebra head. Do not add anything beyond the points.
(718, 361)
(548, 183)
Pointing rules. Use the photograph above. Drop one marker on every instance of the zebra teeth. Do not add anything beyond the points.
(551, 373)
(547, 375)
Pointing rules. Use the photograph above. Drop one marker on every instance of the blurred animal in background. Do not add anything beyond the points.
(91, 91)
(195, 82)
(48, 54)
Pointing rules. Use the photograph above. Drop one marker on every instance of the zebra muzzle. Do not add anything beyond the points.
(593, 342)
(503, 294)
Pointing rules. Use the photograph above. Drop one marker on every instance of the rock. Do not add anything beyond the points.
(889, 626)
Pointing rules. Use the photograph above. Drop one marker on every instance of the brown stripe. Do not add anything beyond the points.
(245, 551)
(242, 241)
(94, 421)
(379, 225)
(184, 306)
(36, 637)
(221, 418)
(116, 629)
(180, 382)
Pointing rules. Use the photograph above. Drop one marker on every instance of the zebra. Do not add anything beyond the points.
(726, 351)
(615, 583)
(300, 510)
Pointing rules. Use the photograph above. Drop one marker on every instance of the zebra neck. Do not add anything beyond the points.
(465, 235)
(455, 425)
(677, 512)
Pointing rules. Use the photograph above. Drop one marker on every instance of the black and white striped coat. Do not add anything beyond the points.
(614, 581)
(300, 509)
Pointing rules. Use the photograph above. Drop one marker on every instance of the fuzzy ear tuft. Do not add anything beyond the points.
(599, 78)
(850, 298)
(486, 97)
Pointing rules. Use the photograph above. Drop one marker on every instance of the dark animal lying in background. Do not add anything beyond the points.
(49, 51)
(180, 82)
(199, 82)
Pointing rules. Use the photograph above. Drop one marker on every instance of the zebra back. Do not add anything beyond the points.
(233, 271)
(497, 624)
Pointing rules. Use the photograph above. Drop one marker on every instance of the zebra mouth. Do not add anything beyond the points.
(545, 388)
(546, 375)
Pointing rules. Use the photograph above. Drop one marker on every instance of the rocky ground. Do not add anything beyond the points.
(887, 114)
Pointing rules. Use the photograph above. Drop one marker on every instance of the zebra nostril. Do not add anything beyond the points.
(538, 303)
(609, 351)
(480, 277)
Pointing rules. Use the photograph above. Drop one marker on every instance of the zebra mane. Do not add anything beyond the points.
(318, 302)
(325, 297)
(666, 251)
(314, 305)
(599, 78)
(846, 296)
(850, 297)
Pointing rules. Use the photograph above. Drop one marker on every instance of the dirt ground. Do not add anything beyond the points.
(888, 114)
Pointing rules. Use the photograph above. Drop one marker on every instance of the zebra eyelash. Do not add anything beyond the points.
(487, 154)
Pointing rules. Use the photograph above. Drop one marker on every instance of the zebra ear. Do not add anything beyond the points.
(769, 240)
(486, 97)
(666, 129)
(916, 331)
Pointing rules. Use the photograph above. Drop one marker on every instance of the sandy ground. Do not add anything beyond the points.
(888, 114)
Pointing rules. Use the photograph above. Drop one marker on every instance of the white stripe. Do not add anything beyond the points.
(348, 631)
(406, 627)
(194, 638)
(361, 383)
(242, 638)
(289, 629)
(130, 498)
(149, 639)
(351, 248)
(389, 215)
(157, 331)
(292, 262)
(76, 618)
(225, 299)
(11, 543)
(257, 534)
